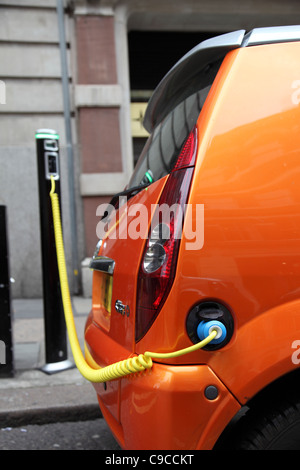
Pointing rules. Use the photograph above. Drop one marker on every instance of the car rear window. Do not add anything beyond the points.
(163, 146)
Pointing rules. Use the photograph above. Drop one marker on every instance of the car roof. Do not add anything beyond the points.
(175, 84)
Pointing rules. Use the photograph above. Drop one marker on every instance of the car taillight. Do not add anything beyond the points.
(158, 265)
(188, 152)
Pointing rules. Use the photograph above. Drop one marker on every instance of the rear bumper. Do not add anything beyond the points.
(163, 408)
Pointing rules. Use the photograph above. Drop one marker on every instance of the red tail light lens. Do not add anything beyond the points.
(187, 155)
(158, 266)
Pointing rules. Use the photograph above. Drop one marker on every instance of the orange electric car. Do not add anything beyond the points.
(206, 239)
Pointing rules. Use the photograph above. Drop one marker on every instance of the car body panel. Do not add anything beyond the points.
(246, 178)
(165, 407)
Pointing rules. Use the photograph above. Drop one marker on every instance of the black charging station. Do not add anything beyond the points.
(6, 345)
(48, 164)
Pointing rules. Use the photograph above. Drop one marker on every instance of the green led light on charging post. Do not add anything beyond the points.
(43, 135)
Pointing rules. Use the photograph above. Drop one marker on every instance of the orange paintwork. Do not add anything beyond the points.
(247, 176)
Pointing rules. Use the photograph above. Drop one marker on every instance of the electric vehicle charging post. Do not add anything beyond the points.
(6, 346)
(56, 353)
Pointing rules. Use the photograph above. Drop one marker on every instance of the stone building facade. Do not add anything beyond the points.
(117, 51)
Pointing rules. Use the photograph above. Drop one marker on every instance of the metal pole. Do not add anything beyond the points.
(66, 100)
(47, 145)
(6, 347)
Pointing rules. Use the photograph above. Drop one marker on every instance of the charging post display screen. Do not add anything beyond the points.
(48, 144)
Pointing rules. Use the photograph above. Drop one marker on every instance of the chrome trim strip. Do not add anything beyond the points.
(188, 66)
(270, 35)
(102, 264)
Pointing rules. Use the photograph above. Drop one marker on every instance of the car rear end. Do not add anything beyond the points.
(153, 282)
(135, 282)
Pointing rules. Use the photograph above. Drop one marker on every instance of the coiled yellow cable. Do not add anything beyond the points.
(121, 368)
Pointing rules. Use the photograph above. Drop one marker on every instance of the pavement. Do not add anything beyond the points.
(32, 396)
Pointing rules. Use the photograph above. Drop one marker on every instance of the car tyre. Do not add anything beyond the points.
(271, 424)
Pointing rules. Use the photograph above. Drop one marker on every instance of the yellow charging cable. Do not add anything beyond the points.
(97, 374)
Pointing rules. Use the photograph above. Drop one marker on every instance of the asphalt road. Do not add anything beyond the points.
(81, 435)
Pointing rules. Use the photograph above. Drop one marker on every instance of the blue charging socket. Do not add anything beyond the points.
(205, 328)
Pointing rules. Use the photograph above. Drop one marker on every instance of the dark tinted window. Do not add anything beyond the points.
(164, 144)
